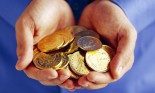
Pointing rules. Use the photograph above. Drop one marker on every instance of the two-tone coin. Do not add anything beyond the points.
(77, 65)
(98, 60)
(50, 43)
(89, 43)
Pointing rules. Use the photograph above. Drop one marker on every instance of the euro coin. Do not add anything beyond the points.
(67, 35)
(65, 61)
(88, 33)
(89, 43)
(98, 60)
(40, 60)
(77, 65)
(73, 46)
(73, 75)
(50, 43)
(109, 50)
(43, 60)
(35, 52)
(55, 60)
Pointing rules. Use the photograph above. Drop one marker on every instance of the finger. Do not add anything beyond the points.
(93, 86)
(68, 84)
(128, 66)
(62, 76)
(99, 78)
(89, 85)
(37, 74)
(83, 81)
(125, 49)
(24, 36)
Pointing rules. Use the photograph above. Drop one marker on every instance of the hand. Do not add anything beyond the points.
(112, 24)
(41, 18)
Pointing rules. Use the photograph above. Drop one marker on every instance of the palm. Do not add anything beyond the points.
(113, 25)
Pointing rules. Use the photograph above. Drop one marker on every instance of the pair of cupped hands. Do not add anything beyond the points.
(43, 17)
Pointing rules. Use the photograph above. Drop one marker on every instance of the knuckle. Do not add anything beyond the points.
(25, 22)
(130, 33)
(20, 21)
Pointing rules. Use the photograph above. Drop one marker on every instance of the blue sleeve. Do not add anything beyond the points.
(141, 13)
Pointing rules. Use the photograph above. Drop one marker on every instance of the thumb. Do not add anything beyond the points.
(124, 56)
(24, 36)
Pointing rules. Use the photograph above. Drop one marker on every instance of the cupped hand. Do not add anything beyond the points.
(41, 18)
(113, 25)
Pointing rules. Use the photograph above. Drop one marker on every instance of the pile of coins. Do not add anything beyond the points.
(76, 49)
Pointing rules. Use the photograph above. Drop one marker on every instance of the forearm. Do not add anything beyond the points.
(139, 12)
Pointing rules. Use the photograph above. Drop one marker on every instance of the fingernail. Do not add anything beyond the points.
(63, 77)
(119, 70)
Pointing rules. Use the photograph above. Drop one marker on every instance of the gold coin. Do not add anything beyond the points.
(73, 46)
(88, 33)
(40, 59)
(67, 35)
(56, 60)
(77, 65)
(35, 52)
(89, 43)
(98, 60)
(65, 61)
(109, 50)
(50, 43)
(73, 75)
(43, 60)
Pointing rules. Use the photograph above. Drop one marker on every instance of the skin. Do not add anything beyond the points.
(103, 16)
(41, 18)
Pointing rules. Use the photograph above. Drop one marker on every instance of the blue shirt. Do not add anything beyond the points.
(140, 79)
